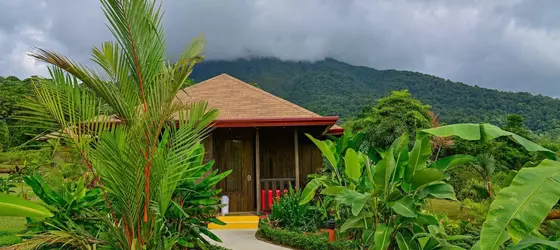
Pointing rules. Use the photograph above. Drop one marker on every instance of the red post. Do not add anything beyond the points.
(263, 200)
(270, 199)
(331, 225)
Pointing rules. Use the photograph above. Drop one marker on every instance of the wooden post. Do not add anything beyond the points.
(296, 153)
(258, 169)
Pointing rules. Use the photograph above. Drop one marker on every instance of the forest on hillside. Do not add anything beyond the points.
(331, 87)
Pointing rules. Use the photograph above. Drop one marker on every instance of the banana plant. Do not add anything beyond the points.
(383, 196)
(519, 209)
(19, 207)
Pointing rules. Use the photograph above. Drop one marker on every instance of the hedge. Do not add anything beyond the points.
(298, 240)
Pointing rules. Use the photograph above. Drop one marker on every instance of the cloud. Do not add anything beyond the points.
(504, 44)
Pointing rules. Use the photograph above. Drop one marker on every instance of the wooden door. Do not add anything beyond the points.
(237, 154)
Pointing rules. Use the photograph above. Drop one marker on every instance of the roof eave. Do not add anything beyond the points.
(276, 122)
(335, 131)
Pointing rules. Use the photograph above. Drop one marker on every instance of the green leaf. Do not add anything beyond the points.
(529, 241)
(325, 149)
(309, 191)
(425, 177)
(382, 236)
(458, 237)
(368, 237)
(383, 172)
(353, 222)
(333, 190)
(352, 198)
(509, 178)
(486, 132)
(18, 207)
(400, 149)
(405, 207)
(451, 162)
(424, 219)
(429, 243)
(501, 241)
(405, 243)
(352, 164)
(521, 207)
(402, 164)
(467, 131)
(400, 143)
(417, 158)
(439, 190)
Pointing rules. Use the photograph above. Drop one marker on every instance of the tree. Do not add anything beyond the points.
(140, 152)
(392, 116)
(485, 164)
(12, 92)
(511, 154)
(515, 124)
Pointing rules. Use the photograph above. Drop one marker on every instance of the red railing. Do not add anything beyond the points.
(271, 189)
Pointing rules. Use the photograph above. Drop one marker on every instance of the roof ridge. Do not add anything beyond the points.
(262, 92)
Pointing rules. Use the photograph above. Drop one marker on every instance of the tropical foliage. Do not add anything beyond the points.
(140, 146)
(380, 198)
(520, 208)
(289, 214)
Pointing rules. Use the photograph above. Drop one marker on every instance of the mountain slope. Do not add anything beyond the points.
(330, 87)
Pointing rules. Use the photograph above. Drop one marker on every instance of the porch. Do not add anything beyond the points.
(266, 161)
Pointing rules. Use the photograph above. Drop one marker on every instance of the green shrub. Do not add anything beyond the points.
(466, 228)
(474, 190)
(298, 240)
(459, 178)
(216, 247)
(287, 213)
(474, 212)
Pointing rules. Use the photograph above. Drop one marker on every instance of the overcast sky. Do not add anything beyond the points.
(503, 44)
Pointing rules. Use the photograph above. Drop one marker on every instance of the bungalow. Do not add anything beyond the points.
(261, 137)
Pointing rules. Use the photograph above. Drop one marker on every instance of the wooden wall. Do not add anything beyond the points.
(310, 160)
(278, 154)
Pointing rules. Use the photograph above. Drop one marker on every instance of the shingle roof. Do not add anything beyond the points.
(236, 99)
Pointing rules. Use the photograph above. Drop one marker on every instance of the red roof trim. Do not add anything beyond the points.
(336, 131)
(276, 122)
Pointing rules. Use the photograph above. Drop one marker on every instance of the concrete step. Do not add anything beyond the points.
(237, 222)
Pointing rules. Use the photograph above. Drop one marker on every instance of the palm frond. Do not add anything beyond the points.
(136, 24)
(194, 124)
(107, 92)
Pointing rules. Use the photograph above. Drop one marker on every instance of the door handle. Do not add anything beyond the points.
(248, 177)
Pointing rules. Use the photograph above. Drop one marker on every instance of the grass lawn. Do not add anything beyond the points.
(6, 166)
(445, 207)
(9, 227)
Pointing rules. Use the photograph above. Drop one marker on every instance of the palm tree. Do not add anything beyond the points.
(123, 120)
(485, 164)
